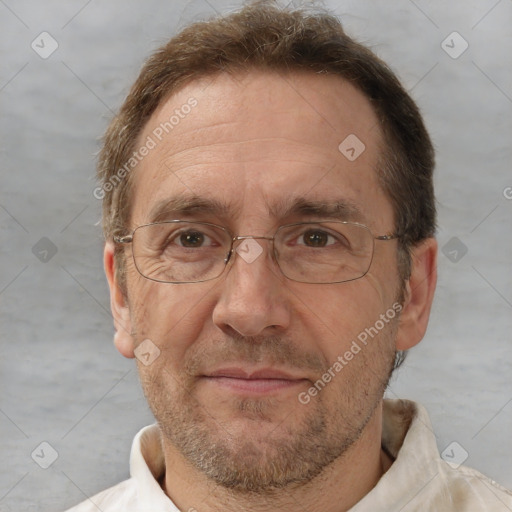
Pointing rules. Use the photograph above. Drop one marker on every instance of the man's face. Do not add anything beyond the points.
(237, 352)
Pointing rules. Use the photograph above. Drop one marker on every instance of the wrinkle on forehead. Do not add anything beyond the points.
(316, 103)
(241, 146)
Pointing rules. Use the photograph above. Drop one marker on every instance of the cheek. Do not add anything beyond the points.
(171, 316)
(335, 315)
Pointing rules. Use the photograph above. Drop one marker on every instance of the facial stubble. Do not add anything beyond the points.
(296, 449)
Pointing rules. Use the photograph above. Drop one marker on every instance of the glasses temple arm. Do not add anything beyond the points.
(123, 239)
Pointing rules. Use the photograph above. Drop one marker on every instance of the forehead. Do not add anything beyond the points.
(254, 141)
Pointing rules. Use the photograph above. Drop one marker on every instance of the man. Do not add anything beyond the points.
(269, 220)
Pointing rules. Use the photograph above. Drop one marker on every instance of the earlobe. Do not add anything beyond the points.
(419, 294)
(123, 339)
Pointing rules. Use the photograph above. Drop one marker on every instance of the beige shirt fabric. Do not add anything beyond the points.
(418, 480)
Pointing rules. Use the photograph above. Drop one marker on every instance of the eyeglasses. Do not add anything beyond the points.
(179, 251)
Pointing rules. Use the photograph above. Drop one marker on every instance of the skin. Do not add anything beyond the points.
(253, 141)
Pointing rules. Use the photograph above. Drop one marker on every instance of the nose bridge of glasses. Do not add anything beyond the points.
(239, 240)
(250, 251)
(251, 237)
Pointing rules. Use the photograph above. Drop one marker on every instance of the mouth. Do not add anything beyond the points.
(254, 382)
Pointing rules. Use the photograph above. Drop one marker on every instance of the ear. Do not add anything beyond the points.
(120, 311)
(419, 294)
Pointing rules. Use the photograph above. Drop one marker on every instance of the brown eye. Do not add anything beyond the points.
(315, 238)
(192, 239)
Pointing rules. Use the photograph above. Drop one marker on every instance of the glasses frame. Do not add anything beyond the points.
(128, 239)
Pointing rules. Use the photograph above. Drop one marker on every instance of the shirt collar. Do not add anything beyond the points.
(147, 468)
(408, 436)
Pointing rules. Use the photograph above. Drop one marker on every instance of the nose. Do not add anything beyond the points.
(253, 296)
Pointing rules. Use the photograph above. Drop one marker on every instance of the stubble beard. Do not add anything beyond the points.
(292, 452)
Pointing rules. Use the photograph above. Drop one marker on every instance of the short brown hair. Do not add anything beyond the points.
(264, 36)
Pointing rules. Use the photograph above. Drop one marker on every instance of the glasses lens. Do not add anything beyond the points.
(328, 252)
(180, 252)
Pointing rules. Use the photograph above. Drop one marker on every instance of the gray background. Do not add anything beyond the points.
(61, 380)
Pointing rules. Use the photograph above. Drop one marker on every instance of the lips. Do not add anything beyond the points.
(241, 373)
(253, 381)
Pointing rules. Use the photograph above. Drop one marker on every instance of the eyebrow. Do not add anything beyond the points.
(294, 207)
(334, 209)
(170, 208)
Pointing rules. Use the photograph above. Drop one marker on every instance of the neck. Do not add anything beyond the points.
(338, 488)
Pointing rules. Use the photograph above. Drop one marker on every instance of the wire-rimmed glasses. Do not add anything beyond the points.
(179, 251)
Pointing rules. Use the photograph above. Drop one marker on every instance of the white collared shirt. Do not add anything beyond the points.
(419, 480)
